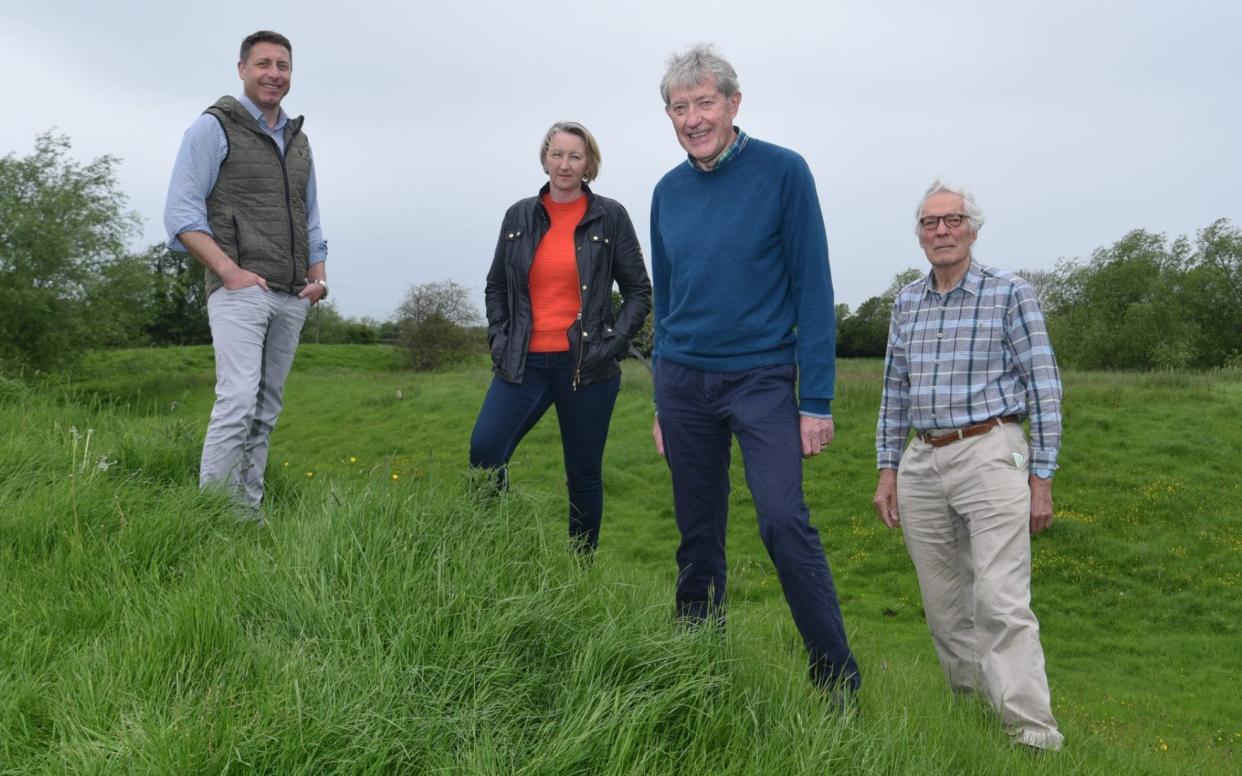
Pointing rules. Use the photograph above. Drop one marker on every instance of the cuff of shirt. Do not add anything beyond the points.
(1044, 459)
(816, 408)
(887, 460)
(174, 240)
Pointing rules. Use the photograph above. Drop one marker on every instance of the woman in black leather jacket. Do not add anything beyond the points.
(551, 328)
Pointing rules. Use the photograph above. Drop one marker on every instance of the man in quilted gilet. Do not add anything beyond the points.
(242, 201)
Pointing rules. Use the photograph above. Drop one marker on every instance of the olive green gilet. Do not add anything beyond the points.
(257, 209)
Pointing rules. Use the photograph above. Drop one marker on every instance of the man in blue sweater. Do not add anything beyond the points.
(743, 320)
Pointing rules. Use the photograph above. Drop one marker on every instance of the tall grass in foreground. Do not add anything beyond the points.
(415, 625)
(378, 630)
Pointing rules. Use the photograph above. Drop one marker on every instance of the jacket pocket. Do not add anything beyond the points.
(498, 347)
(250, 245)
(237, 240)
(601, 354)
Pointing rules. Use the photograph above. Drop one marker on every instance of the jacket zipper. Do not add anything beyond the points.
(582, 333)
(293, 240)
(581, 343)
(579, 263)
(237, 236)
(293, 245)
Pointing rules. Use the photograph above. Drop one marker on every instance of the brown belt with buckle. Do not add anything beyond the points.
(951, 436)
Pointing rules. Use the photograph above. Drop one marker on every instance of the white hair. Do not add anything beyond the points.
(973, 213)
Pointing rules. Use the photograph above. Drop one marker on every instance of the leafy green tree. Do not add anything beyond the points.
(1117, 311)
(120, 303)
(864, 333)
(437, 325)
(1148, 303)
(63, 233)
(1213, 292)
(178, 302)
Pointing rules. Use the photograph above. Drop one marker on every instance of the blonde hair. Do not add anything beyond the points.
(592, 148)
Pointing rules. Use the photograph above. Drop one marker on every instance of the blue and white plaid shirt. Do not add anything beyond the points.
(976, 352)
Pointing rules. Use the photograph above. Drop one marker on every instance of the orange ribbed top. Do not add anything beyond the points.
(554, 278)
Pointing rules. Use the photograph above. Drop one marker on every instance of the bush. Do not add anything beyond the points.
(435, 325)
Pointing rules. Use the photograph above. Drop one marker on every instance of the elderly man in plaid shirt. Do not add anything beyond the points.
(968, 360)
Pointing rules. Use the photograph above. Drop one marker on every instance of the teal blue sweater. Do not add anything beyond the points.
(739, 261)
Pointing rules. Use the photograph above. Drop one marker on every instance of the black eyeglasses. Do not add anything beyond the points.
(951, 220)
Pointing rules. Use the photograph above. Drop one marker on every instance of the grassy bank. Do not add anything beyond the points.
(391, 619)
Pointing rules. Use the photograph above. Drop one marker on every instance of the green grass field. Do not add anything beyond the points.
(392, 619)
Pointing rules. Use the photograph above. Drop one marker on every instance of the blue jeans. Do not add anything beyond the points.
(700, 412)
(510, 410)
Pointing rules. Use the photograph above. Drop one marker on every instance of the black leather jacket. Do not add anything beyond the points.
(608, 251)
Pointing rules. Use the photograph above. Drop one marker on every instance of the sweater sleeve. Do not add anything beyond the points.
(805, 246)
(659, 285)
(659, 276)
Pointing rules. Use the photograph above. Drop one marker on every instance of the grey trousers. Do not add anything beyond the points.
(255, 334)
(965, 514)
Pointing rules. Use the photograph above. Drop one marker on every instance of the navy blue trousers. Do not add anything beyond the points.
(510, 410)
(700, 413)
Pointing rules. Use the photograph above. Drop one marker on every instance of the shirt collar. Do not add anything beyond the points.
(969, 283)
(728, 155)
(253, 110)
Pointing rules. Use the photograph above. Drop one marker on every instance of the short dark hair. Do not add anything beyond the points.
(263, 36)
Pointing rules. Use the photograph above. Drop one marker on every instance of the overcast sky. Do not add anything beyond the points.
(1074, 122)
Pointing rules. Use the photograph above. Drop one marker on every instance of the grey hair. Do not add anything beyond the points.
(693, 68)
(594, 160)
(973, 212)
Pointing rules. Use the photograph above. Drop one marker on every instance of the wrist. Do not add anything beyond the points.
(820, 408)
(323, 284)
(229, 272)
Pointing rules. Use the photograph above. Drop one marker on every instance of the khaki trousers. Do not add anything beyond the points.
(965, 513)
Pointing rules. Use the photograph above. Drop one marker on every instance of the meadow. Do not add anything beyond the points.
(393, 618)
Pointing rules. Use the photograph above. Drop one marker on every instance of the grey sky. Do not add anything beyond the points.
(1074, 122)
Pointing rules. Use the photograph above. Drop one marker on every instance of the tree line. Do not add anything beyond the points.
(1145, 302)
(69, 283)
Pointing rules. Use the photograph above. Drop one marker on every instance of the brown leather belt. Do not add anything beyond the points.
(950, 436)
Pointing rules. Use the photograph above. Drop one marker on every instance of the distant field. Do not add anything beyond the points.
(393, 619)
